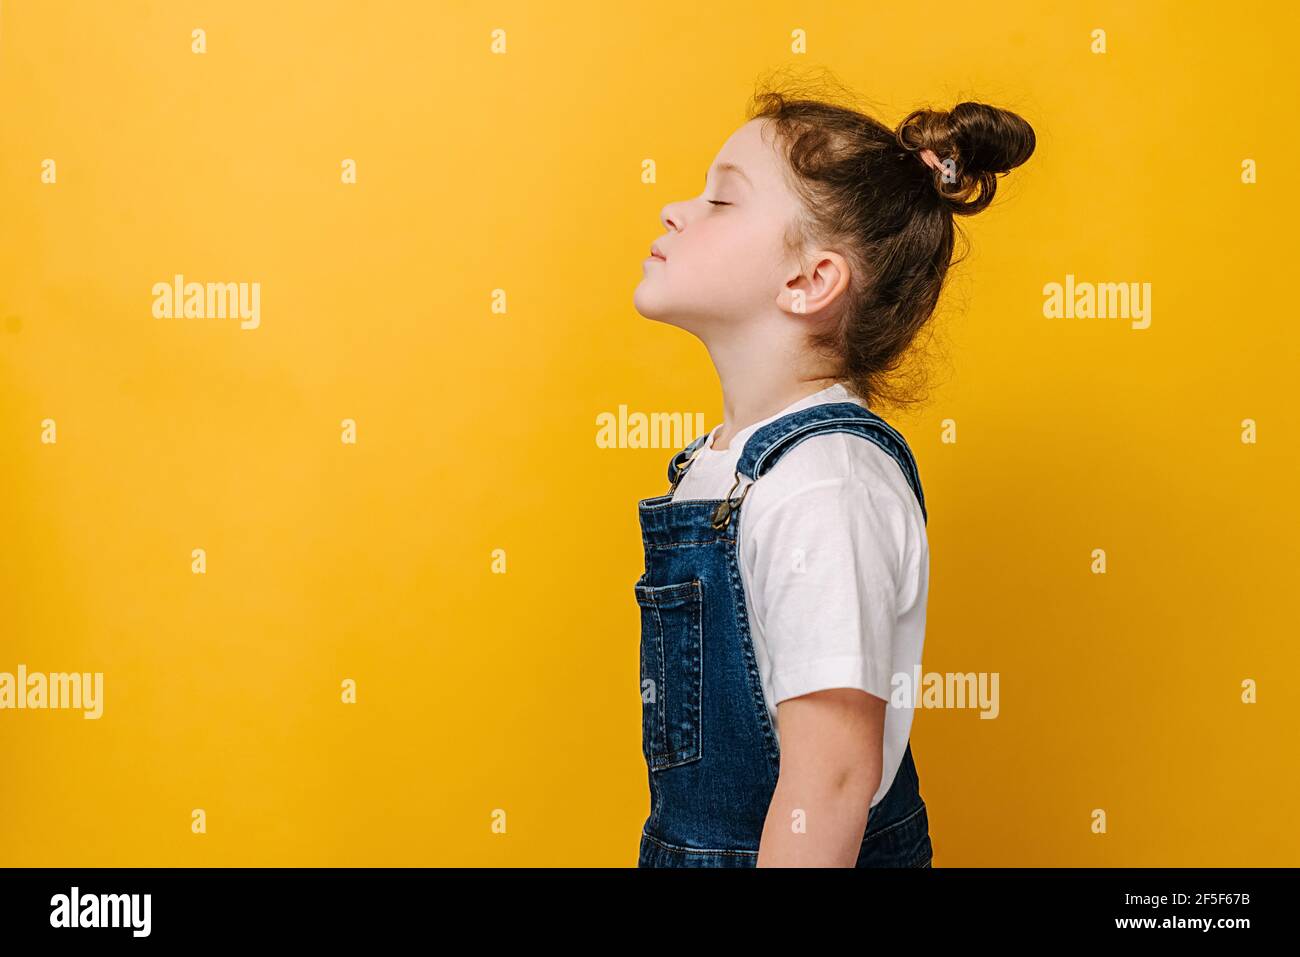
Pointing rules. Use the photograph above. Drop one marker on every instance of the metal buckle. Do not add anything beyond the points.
(726, 508)
(682, 470)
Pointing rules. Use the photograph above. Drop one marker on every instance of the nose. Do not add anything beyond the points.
(671, 216)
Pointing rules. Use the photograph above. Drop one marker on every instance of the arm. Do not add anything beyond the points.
(830, 768)
(826, 560)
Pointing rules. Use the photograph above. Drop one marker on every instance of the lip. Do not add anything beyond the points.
(657, 253)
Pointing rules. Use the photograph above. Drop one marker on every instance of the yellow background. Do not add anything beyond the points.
(480, 691)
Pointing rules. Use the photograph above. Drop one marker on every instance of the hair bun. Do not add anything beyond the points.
(982, 141)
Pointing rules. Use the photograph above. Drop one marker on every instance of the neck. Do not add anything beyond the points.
(753, 392)
(763, 365)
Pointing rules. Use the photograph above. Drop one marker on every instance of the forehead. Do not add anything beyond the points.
(752, 148)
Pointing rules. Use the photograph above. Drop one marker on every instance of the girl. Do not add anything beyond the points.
(771, 634)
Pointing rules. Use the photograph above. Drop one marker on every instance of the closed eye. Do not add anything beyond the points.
(718, 202)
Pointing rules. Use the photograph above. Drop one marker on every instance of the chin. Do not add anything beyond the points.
(652, 306)
(643, 301)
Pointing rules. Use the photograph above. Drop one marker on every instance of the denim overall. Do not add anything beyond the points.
(706, 734)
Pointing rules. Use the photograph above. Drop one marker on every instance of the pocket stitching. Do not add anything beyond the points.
(654, 597)
(897, 824)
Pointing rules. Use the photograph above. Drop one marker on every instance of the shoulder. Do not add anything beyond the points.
(839, 469)
(840, 495)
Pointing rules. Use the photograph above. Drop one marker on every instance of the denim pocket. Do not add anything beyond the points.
(904, 843)
(672, 672)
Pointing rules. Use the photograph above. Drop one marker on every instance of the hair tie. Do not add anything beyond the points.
(931, 159)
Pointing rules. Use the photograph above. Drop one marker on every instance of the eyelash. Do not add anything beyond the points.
(718, 202)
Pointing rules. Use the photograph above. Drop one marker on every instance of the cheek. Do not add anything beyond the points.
(735, 252)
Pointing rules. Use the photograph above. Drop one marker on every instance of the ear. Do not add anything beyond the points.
(813, 288)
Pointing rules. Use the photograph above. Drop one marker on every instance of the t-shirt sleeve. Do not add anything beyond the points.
(825, 567)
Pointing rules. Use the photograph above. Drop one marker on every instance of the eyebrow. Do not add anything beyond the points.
(728, 168)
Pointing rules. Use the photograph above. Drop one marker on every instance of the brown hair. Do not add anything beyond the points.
(869, 194)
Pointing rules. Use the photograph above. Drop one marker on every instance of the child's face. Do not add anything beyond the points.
(726, 265)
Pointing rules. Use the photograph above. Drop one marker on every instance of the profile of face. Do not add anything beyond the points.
(724, 266)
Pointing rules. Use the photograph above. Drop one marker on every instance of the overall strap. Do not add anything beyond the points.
(677, 465)
(766, 446)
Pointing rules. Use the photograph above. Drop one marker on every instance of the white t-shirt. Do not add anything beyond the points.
(835, 564)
